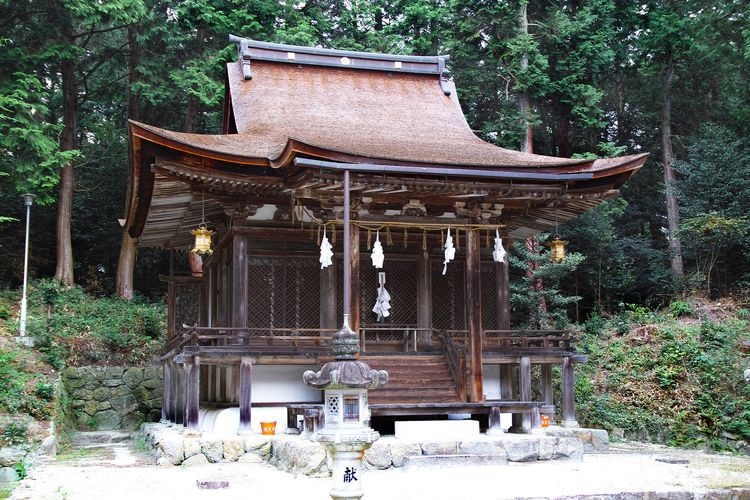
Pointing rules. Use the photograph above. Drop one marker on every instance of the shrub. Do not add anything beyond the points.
(45, 390)
(78, 329)
(15, 433)
(670, 382)
(680, 308)
(11, 383)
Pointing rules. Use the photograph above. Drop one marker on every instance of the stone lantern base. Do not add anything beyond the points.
(347, 448)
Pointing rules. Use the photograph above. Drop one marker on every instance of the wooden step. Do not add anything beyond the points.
(413, 379)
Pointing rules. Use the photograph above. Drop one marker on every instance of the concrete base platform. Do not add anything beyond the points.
(462, 460)
(428, 430)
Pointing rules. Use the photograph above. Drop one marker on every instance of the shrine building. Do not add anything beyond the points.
(302, 128)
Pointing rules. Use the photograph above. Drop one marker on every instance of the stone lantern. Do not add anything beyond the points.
(347, 433)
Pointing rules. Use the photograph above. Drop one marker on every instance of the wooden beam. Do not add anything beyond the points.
(246, 377)
(239, 281)
(192, 396)
(546, 383)
(354, 309)
(328, 316)
(502, 275)
(178, 389)
(524, 386)
(506, 381)
(474, 314)
(166, 401)
(568, 394)
(424, 300)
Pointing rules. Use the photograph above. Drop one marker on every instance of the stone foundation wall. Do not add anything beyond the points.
(176, 445)
(114, 397)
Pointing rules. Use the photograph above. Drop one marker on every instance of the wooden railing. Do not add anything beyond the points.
(261, 339)
(401, 338)
(387, 338)
(456, 359)
(509, 339)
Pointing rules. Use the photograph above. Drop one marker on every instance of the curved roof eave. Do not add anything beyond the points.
(232, 149)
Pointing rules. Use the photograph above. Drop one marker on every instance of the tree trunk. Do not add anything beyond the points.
(562, 132)
(191, 115)
(64, 269)
(125, 266)
(524, 107)
(527, 146)
(126, 262)
(673, 217)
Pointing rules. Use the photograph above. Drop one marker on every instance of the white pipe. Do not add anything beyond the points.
(28, 200)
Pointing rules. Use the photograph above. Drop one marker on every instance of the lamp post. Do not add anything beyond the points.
(28, 200)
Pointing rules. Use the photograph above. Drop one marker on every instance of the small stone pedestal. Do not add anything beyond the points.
(347, 451)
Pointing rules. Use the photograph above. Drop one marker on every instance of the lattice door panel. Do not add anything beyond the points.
(401, 284)
(284, 292)
(186, 304)
(489, 295)
(448, 303)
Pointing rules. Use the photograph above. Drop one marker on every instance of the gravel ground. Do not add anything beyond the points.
(627, 470)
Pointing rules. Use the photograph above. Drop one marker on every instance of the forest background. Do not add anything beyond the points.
(586, 77)
(557, 77)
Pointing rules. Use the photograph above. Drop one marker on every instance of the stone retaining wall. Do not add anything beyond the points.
(114, 397)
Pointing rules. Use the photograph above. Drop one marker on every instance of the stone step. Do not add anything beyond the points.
(89, 438)
(412, 462)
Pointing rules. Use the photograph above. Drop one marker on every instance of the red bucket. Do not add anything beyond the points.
(268, 428)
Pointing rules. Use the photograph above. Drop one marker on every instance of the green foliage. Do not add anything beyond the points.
(20, 468)
(75, 328)
(45, 390)
(680, 308)
(664, 380)
(18, 379)
(29, 150)
(542, 306)
(15, 433)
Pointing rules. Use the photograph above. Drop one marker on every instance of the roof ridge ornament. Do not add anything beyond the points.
(244, 56)
(315, 56)
(444, 76)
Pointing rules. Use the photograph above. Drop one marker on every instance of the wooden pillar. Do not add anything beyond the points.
(178, 389)
(424, 300)
(230, 385)
(192, 396)
(239, 281)
(568, 394)
(474, 315)
(246, 378)
(506, 382)
(209, 294)
(546, 383)
(354, 270)
(171, 308)
(536, 419)
(166, 384)
(494, 424)
(328, 318)
(204, 386)
(502, 273)
(210, 393)
(524, 386)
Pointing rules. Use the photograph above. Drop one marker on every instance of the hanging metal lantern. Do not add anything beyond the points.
(557, 250)
(202, 240)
